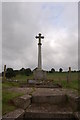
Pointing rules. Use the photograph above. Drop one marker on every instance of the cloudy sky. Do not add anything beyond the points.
(58, 22)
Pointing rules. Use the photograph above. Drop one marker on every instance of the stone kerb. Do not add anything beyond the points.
(23, 101)
(74, 102)
(14, 115)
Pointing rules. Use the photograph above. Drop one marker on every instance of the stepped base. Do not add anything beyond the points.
(62, 112)
(39, 74)
(52, 99)
(49, 96)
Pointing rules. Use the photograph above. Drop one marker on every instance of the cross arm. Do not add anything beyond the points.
(42, 37)
(36, 37)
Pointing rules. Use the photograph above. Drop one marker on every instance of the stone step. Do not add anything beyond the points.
(39, 85)
(42, 86)
(22, 101)
(57, 112)
(49, 98)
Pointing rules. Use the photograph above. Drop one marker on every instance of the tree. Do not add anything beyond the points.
(2, 74)
(10, 73)
(52, 70)
(16, 72)
(28, 71)
(22, 71)
(60, 70)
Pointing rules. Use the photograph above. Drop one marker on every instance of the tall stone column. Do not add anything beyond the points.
(39, 56)
(39, 74)
(39, 51)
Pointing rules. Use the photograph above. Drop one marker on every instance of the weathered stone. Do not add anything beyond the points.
(31, 81)
(54, 116)
(77, 115)
(39, 74)
(23, 101)
(52, 99)
(74, 102)
(48, 111)
(14, 115)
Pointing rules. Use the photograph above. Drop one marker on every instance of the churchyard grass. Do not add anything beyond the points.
(61, 78)
(23, 78)
(56, 77)
(7, 105)
(7, 84)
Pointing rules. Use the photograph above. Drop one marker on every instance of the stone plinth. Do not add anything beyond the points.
(39, 74)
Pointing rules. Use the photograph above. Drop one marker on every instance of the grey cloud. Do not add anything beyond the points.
(23, 21)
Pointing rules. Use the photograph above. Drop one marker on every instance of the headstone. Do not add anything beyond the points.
(39, 74)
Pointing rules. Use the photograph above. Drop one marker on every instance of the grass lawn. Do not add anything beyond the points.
(7, 96)
(7, 84)
(62, 79)
(56, 77)
(23, 78)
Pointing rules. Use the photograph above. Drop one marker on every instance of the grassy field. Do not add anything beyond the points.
(56, 77)
(60, 78)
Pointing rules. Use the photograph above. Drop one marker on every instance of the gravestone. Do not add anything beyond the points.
(39, 74)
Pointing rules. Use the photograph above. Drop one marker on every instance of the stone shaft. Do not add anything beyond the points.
(39, 57)
(39, 51)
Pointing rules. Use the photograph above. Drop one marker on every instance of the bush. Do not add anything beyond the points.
(10, 73)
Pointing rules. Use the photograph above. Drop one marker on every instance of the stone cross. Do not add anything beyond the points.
(39, 50)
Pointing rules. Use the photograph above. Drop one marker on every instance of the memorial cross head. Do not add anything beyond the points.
(39, 37)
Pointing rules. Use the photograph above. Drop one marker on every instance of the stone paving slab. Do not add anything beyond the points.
(44, 90)
(21, 90)
(55, 91)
